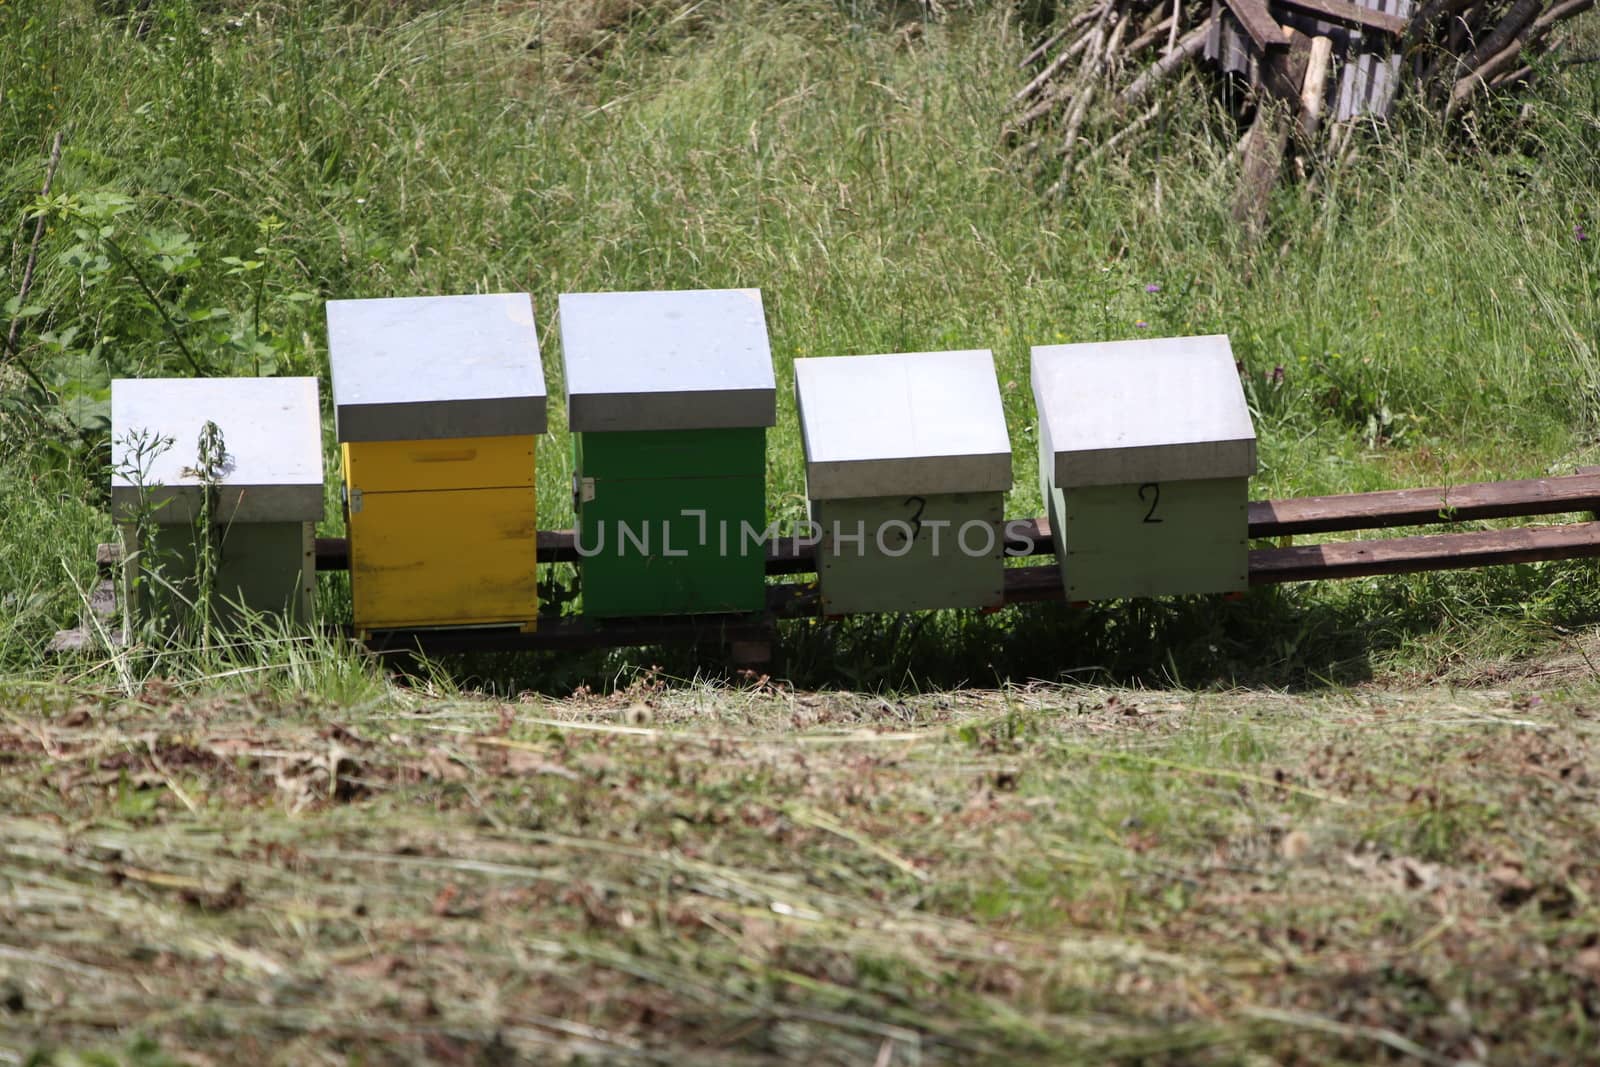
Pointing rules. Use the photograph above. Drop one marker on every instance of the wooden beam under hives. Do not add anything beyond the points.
(752, 636)
(1345, 513)
(1367, 559)
(749, 634)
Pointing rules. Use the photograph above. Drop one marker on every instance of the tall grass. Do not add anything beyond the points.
(1426, 315)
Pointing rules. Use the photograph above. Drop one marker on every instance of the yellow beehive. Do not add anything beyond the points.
(439, 402)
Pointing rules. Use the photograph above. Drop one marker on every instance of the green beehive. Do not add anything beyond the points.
(668, 398)
(907, 466)
(1145, 454)
(264, 489)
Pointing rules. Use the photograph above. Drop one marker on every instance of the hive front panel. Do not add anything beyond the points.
(910, 553)
(450, 551)
(656, 537)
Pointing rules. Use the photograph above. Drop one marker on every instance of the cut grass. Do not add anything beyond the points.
(682, 873)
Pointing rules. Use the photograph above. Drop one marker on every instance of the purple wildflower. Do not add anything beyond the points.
(1579, 233)
(1152, 288)
(1141, 325)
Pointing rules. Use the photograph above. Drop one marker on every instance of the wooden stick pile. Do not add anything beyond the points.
(1341, 59)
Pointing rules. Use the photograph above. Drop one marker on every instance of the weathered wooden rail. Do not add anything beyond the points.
(1268, 518)
(749, 637)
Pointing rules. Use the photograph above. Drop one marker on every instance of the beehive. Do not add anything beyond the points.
(668, 397)
(907, 466)
(439, 402)
(265, 492)
(1145, 453)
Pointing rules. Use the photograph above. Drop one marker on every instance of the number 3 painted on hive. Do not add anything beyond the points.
(916, 519)
(1155, 499)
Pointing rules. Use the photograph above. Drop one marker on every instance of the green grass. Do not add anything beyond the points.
(1431, 312)
(1432, 315)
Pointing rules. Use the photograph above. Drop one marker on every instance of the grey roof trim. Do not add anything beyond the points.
(1157, 409)
(902, 423)
(435, 420)
(174, 504)
(272, 430)
(667, 360)
(909, 476)
(687, 410)
(1156, 463)
(424, 367)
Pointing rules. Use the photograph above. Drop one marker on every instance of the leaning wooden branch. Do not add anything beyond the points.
(1562, 11)
(1512, 45)
(1088, 79)
(1189, 45)
(1043, 78)
(1121, 136)
(1150, 36)
(1510, 27)
(1078, 22)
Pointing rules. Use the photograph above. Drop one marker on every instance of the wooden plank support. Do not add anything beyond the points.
(1386, 509)
(1031, 584)
(1346, 13)
(1258, 23)
(1265, 144)
(1366, 559)
(570, 633)
(1283, 74)
(1432, 552)
(1314, 85)
(1471, 502)
(1424, 507)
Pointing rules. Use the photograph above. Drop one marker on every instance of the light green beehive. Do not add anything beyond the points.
(265, 496)
(1146, 449)
(907, 466)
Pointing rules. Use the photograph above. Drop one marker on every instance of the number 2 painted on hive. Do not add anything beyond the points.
(916, 517)
(1155, 499)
